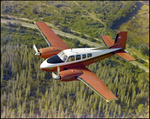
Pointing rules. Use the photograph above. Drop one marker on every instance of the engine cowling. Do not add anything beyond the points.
(70, 75)
(49, 51)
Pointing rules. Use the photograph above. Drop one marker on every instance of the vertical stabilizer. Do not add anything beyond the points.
(120, 41)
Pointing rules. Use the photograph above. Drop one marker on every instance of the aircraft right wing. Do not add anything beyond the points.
(51, 37)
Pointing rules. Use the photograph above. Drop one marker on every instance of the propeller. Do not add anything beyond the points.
(57, 77)
(37, 53)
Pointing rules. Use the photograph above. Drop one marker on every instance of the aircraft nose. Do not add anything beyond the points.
(43, 65)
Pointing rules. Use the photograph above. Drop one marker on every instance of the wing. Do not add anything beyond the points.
(92, 81)
(51, 37)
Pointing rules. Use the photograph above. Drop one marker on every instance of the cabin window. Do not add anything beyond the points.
(89, 55)
(83, 56)
(71, 58)
(78, 57)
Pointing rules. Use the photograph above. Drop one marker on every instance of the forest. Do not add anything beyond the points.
(27, 91)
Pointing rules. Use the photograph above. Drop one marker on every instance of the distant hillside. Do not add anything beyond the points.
(138, 32)
(86, 17)
(138, 26)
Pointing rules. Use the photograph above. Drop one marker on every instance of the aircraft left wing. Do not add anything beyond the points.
(92, 81)
(51, 37)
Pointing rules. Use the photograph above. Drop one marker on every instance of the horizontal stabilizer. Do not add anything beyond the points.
(107, 40)
(124, 55)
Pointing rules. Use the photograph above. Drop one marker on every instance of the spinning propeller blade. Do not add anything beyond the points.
(37, 53)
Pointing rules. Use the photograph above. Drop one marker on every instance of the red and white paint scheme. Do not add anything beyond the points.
(70, 64)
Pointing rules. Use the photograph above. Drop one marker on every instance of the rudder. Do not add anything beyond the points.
(120, 41)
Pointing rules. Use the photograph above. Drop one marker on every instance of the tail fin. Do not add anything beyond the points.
(120, 42)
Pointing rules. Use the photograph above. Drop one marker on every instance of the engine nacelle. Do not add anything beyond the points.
(49, 51)
(70, 75)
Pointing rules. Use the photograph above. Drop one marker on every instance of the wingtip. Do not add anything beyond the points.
(111, 99)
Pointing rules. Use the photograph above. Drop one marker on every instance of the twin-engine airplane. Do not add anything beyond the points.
(70, 64)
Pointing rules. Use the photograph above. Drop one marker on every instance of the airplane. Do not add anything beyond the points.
(70, 63)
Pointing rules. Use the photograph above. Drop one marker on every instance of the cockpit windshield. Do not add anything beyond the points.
(54, 59)
(62, 56)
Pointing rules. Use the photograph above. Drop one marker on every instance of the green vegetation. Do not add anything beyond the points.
(17, 34)
(71, 15)
(138, 32)
(26, 91)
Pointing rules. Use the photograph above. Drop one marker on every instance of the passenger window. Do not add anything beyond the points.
(78, 57)
(83, 56)
(71, 58)
(89, 55)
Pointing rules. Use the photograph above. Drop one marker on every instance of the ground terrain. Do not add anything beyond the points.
(26, 91)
